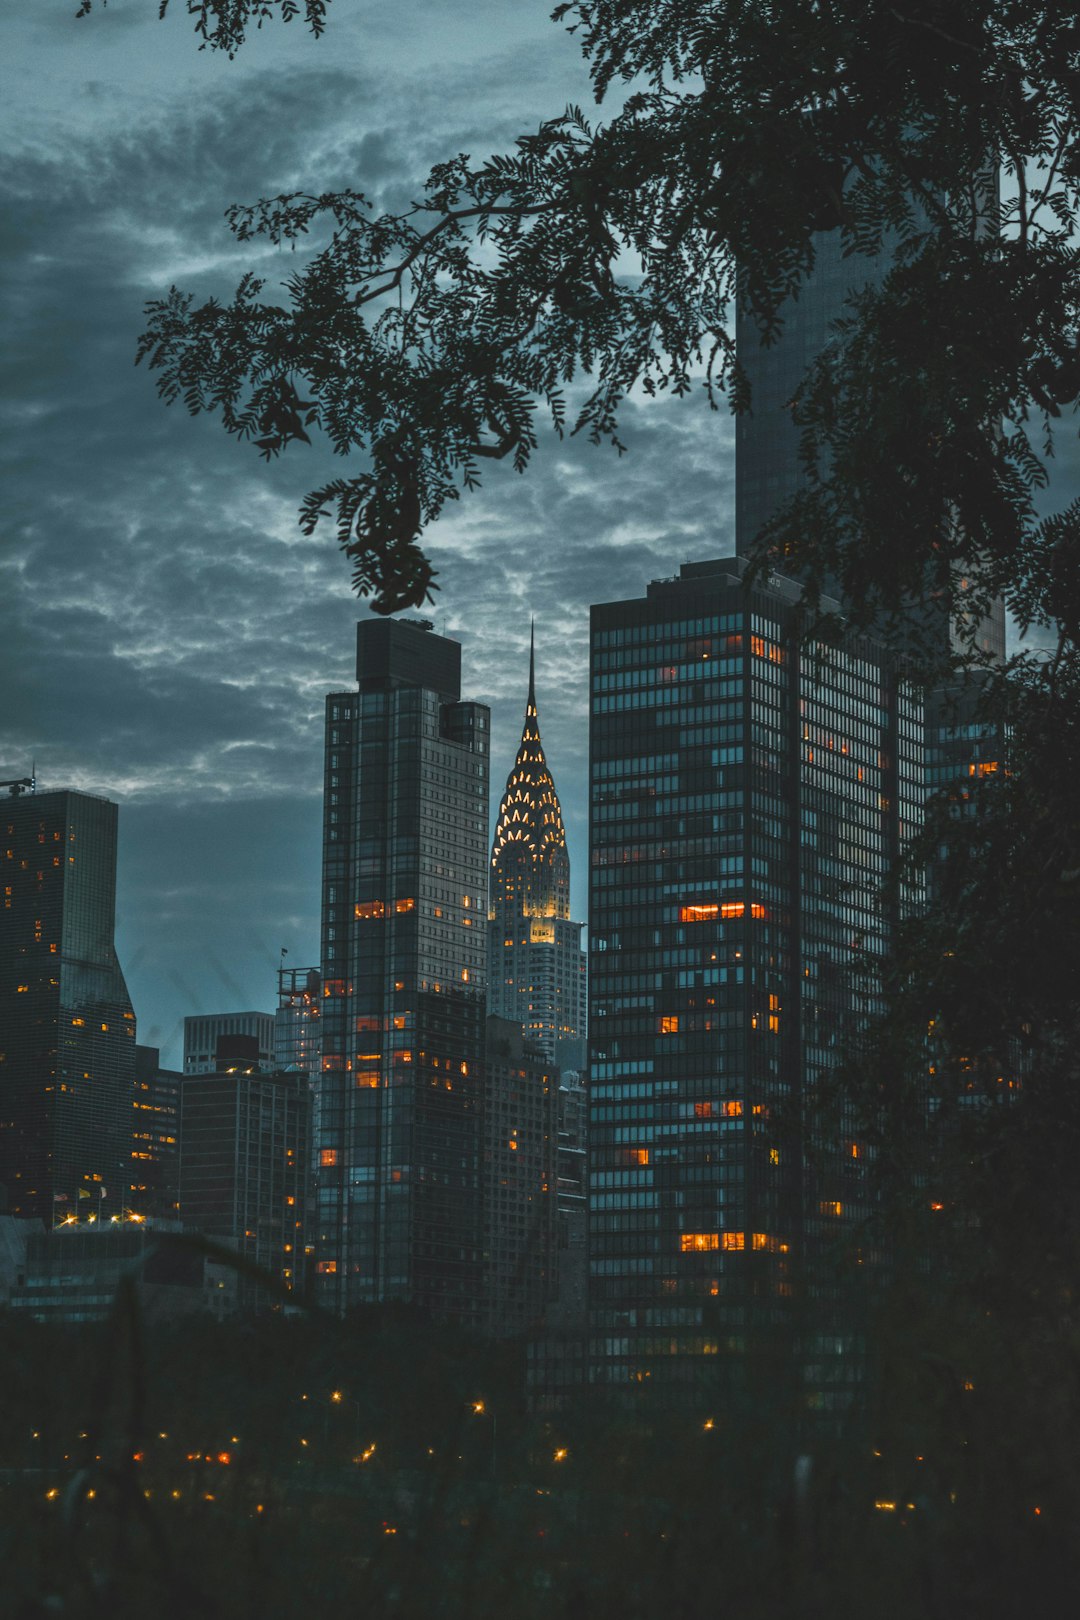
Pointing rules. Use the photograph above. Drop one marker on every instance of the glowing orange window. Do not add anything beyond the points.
(328, 1156)
(699, 1242)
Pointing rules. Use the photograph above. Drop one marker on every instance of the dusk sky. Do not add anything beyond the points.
(167, 633)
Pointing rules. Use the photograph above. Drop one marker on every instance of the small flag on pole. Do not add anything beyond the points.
(84, 1192)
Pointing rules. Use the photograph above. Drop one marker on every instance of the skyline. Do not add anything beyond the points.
(151, 660)
(144, 659)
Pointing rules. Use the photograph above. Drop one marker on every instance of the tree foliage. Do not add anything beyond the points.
(223, 24)
(615, 253)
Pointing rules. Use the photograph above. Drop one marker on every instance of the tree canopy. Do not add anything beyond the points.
(612, 254)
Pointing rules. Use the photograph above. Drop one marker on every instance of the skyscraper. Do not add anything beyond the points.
(201, 1032)
(747, 796)
(404, 955)
(768, 471)
(296, 1022)
(67, 1028)
(518, 1180)
(245, 1170)
(155, 1145)
(536, 966)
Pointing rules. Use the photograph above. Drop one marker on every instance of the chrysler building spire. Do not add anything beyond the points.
(536, 964)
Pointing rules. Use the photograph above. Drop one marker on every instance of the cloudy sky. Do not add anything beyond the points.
(167, 635)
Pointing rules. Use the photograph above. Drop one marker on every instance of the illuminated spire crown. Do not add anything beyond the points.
(530, 825)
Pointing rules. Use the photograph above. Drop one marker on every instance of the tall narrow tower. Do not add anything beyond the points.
(67, 1028)
(403, 961)
(536, 965)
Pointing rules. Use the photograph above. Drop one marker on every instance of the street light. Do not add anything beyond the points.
(480, 1409)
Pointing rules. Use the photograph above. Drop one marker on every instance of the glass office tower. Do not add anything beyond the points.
(67, 1028)
(747, 796)
(404, 954)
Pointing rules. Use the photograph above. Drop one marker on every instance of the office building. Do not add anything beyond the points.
(296, 1021)
(404, 956)
(518, 1181)
(768, 470)
(245, 1165)
(202, 1032)
(536, 967)
(748, 793)
(69, 1276)
(67, 1027)
(155, 1148)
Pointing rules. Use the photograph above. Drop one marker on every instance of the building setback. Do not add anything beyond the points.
(404, 956)
(67, 1027)
(536, 965)
(747, 796)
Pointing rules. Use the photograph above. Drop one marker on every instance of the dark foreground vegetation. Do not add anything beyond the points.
(387, 1467)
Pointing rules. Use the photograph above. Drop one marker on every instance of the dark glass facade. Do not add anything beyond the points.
(518, 1180)
(155, 1146)
(245, 1170)
(767, 467)
(67, 1027)
(747, 795)
(404, 956)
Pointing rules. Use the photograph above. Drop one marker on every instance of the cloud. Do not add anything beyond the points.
(168, 634)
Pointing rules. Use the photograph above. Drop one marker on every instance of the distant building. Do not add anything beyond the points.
(67, 1027)
(537, 968)
(201, 1034)
(518, 1177)
(404, 956)
(245, 1165)
(155, 1147)
(70, 1275)
(748, 795)
(567, 1309)
(297, 1026)
(15, 1234)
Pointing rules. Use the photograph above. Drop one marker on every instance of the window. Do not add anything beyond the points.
(328, 1156)
(370, 908)
(408, 904)
(700, 1242)
(669, 1024)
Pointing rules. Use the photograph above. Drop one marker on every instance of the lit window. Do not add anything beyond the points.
(408, 904)
(704, 912)
(703, 1110)
(370, 908)
(326, 1267)
(733, 1109)
(733, 1240)
(829, 1206)
(368, 1078)
(328, 1156)
(699, 1242)
(636, 1155)
(669, 1024)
